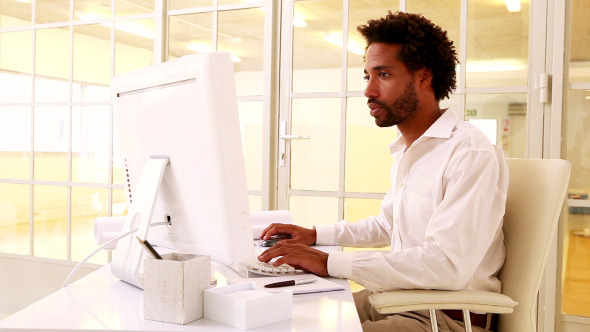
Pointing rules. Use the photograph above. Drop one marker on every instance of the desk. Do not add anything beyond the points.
(101, 302)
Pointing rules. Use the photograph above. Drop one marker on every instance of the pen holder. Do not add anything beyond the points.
(174, 286)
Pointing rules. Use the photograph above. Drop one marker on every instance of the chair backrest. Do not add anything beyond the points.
(535, 200)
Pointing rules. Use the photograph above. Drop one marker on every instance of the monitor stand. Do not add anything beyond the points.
(128, 255)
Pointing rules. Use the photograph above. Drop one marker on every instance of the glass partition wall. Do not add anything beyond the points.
(57, 154)
(60, 166)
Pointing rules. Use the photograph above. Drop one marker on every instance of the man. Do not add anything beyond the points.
(443, 215)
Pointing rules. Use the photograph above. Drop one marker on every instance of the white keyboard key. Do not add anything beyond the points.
(256, 266)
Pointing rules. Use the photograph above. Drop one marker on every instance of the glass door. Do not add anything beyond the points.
(575, 231)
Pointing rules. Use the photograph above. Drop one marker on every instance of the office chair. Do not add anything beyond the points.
(535, 200)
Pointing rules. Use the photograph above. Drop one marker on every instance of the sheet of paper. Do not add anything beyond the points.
(319, 286)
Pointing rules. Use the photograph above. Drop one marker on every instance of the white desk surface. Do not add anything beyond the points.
(101, 302)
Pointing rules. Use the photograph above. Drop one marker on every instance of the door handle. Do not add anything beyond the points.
(293, 137)
(283, 137)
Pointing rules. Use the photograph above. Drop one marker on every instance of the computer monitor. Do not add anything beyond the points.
(180, 139)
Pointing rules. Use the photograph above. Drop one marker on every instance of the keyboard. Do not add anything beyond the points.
(256, 266)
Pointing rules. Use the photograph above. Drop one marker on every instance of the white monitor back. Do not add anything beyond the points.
(186, 110)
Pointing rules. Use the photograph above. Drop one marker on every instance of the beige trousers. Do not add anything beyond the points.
(372, 321)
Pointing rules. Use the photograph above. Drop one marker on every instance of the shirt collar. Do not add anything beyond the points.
(441, 128)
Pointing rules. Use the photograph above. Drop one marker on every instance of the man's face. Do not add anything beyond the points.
(390, 86)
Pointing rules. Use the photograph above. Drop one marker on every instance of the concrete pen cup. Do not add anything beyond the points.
(174, 286)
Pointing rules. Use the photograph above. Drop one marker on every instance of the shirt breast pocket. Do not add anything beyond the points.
(420, 211)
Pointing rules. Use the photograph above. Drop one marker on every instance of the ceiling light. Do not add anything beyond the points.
(199, 47)
(352, 46)
(91, 17)
(513, 5)
(132, 27)
(299, 22)
(495, 66)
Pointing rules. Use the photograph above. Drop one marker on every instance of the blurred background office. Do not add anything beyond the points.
(524, 79)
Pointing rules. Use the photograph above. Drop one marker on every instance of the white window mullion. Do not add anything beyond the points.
(215, 25)
(32, 157)
(161, 31)
(271, 104)
(461, 90)
(70, 130)
(110, 167)
(31, 221)
(285, 96)
(70, 160)
(560, 75)
(537, 65)
(343, 104)
(112, 125)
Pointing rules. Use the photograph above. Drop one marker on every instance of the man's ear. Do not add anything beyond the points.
(424, 77)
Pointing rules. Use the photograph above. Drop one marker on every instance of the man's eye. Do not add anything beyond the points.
(366, 78)
(383, 75)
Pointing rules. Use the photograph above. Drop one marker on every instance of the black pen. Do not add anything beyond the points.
(291, 283)
(149, 247)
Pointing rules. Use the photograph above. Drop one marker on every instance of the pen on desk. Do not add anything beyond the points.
(149, 248)
(291, 283)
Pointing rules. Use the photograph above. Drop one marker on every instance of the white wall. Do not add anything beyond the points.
(25, 279)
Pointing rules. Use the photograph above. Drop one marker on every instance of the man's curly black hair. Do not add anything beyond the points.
(424, 45)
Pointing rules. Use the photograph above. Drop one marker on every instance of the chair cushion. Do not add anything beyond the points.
(409, 300)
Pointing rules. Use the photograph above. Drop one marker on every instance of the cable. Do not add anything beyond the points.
(77, 267)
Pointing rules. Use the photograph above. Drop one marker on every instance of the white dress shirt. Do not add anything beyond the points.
(442, 216)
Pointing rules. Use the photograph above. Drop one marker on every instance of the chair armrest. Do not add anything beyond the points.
(409, 300)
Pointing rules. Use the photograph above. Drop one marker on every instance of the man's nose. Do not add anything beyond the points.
(370, 90)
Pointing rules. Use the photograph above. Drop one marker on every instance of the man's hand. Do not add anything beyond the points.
(298, 256)
(298, 234)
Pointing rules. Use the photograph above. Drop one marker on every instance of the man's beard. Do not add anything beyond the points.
(402, 108)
